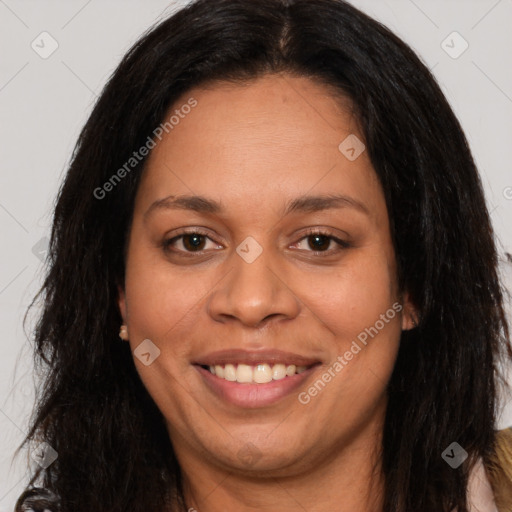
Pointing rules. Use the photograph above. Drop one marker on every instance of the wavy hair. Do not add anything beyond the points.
(114, 453)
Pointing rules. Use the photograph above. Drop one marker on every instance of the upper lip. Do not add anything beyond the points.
(251, 357)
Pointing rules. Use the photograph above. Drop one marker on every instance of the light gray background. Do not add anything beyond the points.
(44, 103)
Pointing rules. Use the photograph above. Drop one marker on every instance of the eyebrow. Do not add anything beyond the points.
(304, 204)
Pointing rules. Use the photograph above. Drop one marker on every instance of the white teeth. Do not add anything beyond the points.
(230, 372)
(243, 373)
(278, 371)
(219, 370)
(262, 374)
(290, 370)
(259, 374)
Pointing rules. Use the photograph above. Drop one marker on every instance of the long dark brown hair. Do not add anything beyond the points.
(114, 453)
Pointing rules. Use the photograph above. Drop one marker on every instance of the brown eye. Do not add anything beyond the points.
(193, 242)
(188, 243)
(319, 242)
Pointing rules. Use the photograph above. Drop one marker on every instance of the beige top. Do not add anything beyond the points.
(480, 494)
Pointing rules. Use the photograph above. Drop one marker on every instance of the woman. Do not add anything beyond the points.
(275, 208)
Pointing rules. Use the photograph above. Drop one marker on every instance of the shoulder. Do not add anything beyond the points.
(499, 469)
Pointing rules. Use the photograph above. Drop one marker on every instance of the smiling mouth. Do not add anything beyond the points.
(261, 373)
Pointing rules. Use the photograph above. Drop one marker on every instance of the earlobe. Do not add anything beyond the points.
(408, 322)
(409, 314)
(123, 332)
(121, 302)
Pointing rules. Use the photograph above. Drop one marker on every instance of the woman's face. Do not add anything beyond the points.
(254, 170)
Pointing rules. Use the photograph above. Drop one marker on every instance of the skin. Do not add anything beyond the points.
(253, 148)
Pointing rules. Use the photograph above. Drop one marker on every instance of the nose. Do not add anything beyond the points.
(253, 292)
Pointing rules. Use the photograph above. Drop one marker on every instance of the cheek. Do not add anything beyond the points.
(359, 306)
(162, 307)
(353, 296)
(161, 298)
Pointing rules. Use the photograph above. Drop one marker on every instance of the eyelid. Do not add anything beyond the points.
(328, 234)
(186, 231)
(342, 244)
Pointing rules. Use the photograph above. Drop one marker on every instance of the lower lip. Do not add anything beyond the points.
(252, 396)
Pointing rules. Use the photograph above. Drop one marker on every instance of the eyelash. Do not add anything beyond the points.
(311, 232)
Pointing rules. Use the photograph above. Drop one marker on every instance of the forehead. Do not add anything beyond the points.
(278, 133)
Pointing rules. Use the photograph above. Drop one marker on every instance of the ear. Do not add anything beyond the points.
(121, 302)
(409, 313)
